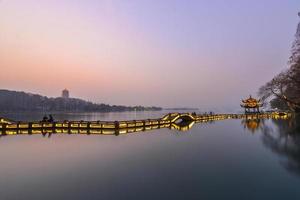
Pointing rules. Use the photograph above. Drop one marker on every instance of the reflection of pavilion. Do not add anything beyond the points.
(251, 105)
(252, 124)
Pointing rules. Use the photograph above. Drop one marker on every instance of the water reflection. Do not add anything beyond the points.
(253, 124)
(153, 163)
(285, 141)
(183, 126)
(282, 137)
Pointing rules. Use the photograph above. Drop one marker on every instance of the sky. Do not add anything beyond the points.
(173, 53)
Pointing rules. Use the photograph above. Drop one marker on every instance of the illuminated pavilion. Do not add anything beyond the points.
(251, 105)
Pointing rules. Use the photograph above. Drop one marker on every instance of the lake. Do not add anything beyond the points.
(230, 159)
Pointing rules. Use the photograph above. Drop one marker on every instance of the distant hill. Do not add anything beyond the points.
(22, 101)
(181, 108)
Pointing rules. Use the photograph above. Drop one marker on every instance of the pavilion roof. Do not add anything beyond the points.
(251, 102)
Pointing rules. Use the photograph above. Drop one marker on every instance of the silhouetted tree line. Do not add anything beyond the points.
(284, 89)
(21, 101)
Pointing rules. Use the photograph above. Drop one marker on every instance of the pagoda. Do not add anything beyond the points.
(251, 105)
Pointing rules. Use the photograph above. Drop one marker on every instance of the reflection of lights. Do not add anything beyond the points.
(10, 132)
(251, 124)
(184, 127)
(124, 127)
(95, 131)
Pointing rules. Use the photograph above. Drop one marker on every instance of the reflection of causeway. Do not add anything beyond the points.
(256, 122)
(178, 121)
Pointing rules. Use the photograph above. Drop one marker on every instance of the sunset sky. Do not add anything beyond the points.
(172, 53)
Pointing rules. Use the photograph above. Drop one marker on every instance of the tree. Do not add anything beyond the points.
(285, 86)
(279, 104)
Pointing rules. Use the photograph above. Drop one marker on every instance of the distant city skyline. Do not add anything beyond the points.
(204, 54)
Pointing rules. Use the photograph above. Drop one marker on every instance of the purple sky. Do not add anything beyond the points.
(207, 54)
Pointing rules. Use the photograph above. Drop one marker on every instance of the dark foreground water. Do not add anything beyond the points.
(229, 159)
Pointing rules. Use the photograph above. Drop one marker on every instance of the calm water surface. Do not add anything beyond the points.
(231, 159)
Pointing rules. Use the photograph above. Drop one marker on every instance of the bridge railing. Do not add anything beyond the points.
(128, 124)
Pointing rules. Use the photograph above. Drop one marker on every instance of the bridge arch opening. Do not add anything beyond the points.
(183, 119)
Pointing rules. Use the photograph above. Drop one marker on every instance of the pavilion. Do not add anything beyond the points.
(251, 105)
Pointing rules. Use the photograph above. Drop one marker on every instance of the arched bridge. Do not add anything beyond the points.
(179, 121)
(184, 117)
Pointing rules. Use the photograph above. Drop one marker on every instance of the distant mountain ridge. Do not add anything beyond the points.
(183, 108)
(22, 101)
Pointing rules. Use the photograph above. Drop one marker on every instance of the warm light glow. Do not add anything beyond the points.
(187, 120)
(203, 55)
